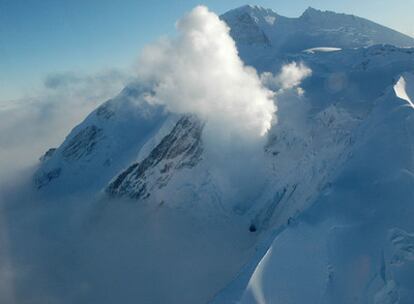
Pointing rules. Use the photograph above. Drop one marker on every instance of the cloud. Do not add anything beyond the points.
(200, 72)
(29, 126)
(290, 76)
(93, 83)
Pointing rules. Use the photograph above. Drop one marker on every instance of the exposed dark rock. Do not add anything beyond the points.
(48, 155)
(105, 111)
(252, 228)
(41, 179)
(83, 143)
(120, 178)
(181, 148)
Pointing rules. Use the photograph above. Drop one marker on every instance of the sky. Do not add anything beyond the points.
(40, 38)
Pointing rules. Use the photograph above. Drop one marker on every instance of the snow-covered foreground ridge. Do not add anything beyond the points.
(317, 211)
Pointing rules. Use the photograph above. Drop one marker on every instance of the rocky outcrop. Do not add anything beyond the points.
(181, 148)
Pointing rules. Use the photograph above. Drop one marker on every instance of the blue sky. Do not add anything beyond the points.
(39, 37)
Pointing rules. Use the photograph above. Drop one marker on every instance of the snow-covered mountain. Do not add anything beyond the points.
(253, 25)
(354, 243)
(329, 220)
(101, 146)
(255, 28)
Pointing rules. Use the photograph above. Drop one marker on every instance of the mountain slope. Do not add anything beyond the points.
(180, 149)
(345, 246)
(108, 139)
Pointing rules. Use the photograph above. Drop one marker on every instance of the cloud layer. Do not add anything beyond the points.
(30, 126)
(200, 72)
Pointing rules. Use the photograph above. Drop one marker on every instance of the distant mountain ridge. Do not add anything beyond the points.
(254, 26)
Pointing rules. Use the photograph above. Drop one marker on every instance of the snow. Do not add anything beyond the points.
(258, 40)
(278, 280)
(404, 88)
(322, 49)
(403, 243)
(270, 19)
(353, 242)
(101, 145)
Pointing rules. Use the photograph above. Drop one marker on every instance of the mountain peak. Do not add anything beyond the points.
(314, 12)
(311, 10)
(256, 10)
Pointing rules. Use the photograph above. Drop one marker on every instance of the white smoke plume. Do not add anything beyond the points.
(200, 72)
(290, 76)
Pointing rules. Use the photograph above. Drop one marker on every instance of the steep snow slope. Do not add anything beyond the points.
(108, 139)
(346, 100)
(316, 133)
(354, 243)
